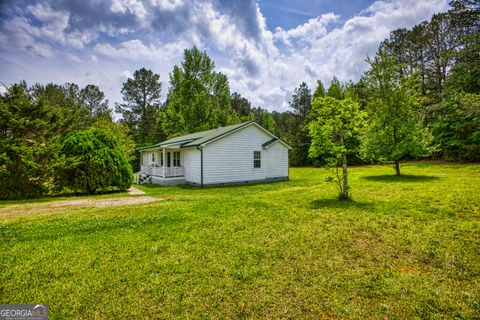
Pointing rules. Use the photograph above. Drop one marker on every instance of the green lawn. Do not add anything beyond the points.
(406, 248)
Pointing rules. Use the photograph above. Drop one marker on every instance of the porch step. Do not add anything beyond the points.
(145, 179)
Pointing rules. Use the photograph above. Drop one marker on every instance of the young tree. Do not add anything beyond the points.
(394, 131)
(198, 97)
(93, 161)
(141, 96)
(334, 123)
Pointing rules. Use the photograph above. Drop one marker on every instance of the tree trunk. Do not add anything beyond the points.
(397, 167)
(345, 195)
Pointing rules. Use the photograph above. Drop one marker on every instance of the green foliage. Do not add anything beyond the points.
(29, 133)
(336, 89)
(241, 105)
(121, 133)
(301, 101)
(457, 129)
(320, 91)
(393, 131)
(93, 161)
(198, 97)
(301, 104)
(334, 123)
(68, 105)
(465, 74)
(93, 100)
(141, 104)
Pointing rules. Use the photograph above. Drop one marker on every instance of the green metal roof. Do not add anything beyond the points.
(198, 138)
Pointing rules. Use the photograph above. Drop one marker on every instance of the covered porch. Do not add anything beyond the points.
(162, 165)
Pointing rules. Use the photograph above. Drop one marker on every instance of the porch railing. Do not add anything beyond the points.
(169, 171)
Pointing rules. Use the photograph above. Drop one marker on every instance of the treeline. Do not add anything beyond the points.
(54, 137)
(425, 80)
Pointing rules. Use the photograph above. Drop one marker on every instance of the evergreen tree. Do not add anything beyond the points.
(241, 105)
(141, 103)
(320, 91)
(93, 100)
(301, 104)
(30, 130)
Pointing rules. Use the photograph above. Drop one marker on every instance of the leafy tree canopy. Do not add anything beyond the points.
(394, 130)
(334, 123)
(198, 97)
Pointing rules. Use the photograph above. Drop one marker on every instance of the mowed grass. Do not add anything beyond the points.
(405, 248)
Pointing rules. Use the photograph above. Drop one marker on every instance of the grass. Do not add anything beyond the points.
(404, 248)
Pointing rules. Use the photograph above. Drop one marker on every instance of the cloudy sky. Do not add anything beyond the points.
(266, 48)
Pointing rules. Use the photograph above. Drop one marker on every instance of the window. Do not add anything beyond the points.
(161, 159)
(257, 159)
(168, 159)
(153, 156)
(176, 159)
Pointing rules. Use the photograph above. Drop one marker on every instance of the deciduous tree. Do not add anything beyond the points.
(394, 130)
(198, 97)
(334, 123)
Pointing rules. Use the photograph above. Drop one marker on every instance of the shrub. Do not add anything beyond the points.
(94, 161)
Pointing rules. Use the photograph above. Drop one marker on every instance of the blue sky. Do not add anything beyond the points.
(266, 48)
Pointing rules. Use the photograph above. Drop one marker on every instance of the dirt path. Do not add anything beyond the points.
(57, 207)
(133, 190)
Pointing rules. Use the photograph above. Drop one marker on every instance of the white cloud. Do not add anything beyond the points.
(126, 74)
(262, 65)
(136, 50)
(313, 52)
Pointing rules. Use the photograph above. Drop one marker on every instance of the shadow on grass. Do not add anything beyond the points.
(402, 178)
(337, 204)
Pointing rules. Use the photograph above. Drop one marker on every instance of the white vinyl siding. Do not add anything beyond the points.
(191, 164)
(230, 159)
(276, 158)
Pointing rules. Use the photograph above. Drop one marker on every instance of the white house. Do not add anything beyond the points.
(240, 153)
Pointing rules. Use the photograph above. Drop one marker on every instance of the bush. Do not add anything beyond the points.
(94, 161)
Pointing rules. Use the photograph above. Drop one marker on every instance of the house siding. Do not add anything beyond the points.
(230, 159)
(277, 160)
(191, 164)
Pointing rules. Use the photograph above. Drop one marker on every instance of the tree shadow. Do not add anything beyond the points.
(338, 204)
(402, 178)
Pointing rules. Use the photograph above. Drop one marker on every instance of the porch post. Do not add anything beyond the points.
(164, 162)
